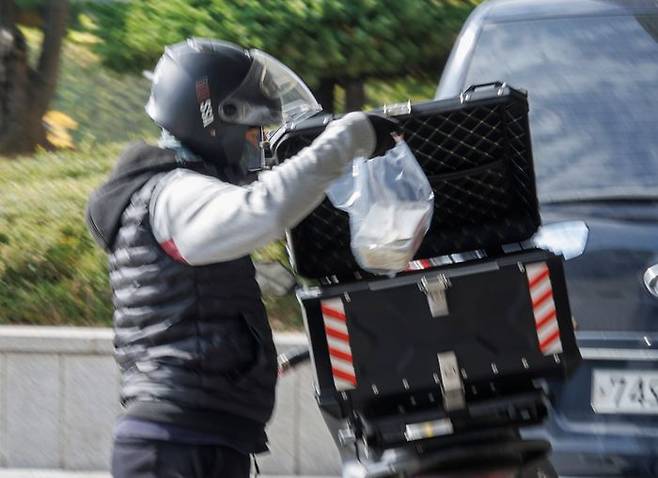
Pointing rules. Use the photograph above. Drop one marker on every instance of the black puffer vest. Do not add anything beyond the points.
(190, 341)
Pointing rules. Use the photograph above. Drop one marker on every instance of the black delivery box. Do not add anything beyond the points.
(476, 153)
(455, 344)
(441, 342)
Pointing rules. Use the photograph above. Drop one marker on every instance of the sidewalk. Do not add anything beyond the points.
(24, 473)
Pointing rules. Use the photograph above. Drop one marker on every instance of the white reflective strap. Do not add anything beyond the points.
(339, 345)
(335, 324)
(540, 289)
(546, 308)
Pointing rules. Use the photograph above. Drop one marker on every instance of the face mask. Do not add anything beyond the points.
(252, 151)
(235, 152)
(240, 155)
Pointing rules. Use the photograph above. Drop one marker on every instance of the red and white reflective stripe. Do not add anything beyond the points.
(338, 339)
(543, 308)
(419, 265)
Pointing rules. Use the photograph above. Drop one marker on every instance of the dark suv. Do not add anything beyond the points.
(591, 70)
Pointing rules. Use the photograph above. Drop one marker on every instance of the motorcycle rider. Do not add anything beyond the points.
(179, 221)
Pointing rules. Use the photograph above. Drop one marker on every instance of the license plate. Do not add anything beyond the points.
(625, 391)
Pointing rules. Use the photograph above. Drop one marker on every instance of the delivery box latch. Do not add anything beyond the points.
(435, 288)
(452, 386)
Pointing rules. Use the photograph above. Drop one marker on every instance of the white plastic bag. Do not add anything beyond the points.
(390, 204)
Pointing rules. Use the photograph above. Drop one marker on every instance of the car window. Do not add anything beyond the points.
(593, 93)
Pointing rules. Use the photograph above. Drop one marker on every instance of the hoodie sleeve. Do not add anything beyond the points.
(200, 220)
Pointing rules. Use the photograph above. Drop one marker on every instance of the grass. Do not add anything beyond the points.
(51, 272)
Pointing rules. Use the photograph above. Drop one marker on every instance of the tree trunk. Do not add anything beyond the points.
(26, 93)
(54, 30)
(14, 78)
(324, 93)
(355, 94)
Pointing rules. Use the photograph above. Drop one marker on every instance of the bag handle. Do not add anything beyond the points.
(467, 93)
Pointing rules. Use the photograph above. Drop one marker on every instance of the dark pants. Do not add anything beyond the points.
(159, 459)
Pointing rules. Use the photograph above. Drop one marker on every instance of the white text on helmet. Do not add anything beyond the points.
(207, 115)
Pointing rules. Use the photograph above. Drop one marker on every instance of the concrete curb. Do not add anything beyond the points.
(19, 473)
(44, 340)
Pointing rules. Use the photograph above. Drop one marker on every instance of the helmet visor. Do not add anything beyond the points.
(270, 94)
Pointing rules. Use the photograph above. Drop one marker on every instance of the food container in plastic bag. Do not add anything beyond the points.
(390, 204)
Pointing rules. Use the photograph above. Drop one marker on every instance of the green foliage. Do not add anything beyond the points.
(383, 92)
(27, 4)
(317, 38)
(50, 270)
(283, 312)
(108, 106)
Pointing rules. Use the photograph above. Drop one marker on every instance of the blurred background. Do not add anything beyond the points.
(74, 78)
(73, 84)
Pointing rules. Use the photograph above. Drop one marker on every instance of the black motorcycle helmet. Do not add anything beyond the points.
(216, 97)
